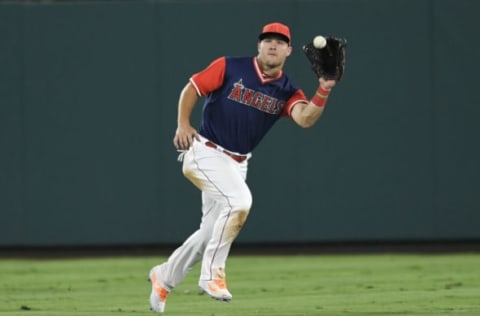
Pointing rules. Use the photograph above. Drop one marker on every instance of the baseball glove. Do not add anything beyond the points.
(329, 61)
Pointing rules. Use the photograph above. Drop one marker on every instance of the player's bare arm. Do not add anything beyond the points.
(185, 134)
(307, 114)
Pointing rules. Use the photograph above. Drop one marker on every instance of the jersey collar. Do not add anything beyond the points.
(261, 76)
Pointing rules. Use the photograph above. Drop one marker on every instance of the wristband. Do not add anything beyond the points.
(320, 97)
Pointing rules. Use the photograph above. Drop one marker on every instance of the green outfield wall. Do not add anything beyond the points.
(88, 97)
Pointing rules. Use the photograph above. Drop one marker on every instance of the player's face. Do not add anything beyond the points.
(273, 51)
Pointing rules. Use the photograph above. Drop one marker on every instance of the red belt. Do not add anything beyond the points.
(237, 158)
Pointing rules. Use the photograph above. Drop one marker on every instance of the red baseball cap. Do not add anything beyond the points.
(276, 28)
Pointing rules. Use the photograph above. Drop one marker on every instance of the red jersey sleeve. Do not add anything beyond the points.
(298, 97)
(210, 78)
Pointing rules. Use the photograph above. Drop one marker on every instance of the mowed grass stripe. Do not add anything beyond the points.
(262, 285)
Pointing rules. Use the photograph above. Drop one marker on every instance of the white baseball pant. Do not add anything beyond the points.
(226, 202)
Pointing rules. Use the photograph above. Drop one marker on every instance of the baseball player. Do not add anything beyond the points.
(244, 97)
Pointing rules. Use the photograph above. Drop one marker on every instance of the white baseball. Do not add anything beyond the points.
(319, 41)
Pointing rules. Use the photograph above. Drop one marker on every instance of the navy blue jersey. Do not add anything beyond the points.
(244, 107)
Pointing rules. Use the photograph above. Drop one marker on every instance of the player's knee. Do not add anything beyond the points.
(243, 203)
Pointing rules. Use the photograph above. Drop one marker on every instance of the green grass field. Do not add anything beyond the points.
(261, 285)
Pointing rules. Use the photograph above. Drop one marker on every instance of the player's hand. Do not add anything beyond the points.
(184, 137)
(327, 84)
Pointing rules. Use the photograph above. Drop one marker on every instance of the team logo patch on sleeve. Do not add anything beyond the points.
(256, 99)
